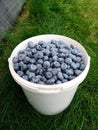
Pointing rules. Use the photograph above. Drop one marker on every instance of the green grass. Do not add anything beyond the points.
(77, 19)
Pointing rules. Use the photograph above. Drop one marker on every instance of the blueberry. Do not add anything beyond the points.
(74, 51)
(54, 71)
(41, 82)
(66, 51)
(71, 77)
(34, 50)
(21, 56)
(24, 67)
(41, 43)
(35, 56)
(51, 61)
(26, 60)
(67, 46)
(78, 59)
(53, 41)
(25, 77)
(60, 76)
(53, 53)
(68, 60)
(49, 69)
(38, 47)
(73, 57)
(16, 66)
(65, 76)
(55, 58)
(27, 49)
(40, 61)
(79, 54)
(21, 63)
(43, 79)
(59, 82)
(35, 79)
(56, 64)
(53, 48)
(47, 47)
(61, 50)
(39, 55)
(82, 67)
(69, 72)
(39, 76)
(36, 72)
(72, 46)
(46, 64)
(52, 64)
(81, 62)
(31, 75)
(48, 75)
(39, 66)
(44, 45)
(77, 72)
(55, 77)
(61, 42)
(28, 65)
(29, 53)
(30, 44)
(51, 81)
(46, 52)
(33, 67)
(61, 60)
(63, 66)
(45, 58)
(68, 66)
(78, 65)
(15, 60)
(27, 72)
(20, 73)
(62, 55)
(39, 71)
(32, 61)
(64, 80)
(67, 54)
(21, 52)
(58, 45)
(74, 65)
(58, 69)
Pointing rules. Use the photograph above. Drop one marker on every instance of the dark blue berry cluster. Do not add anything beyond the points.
(54, 62)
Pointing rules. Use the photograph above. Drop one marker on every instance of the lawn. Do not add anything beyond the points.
(77, 19)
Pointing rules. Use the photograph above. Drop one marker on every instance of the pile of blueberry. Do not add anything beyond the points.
(51, 62)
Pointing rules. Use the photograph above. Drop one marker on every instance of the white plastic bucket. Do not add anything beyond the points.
(50, 99)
